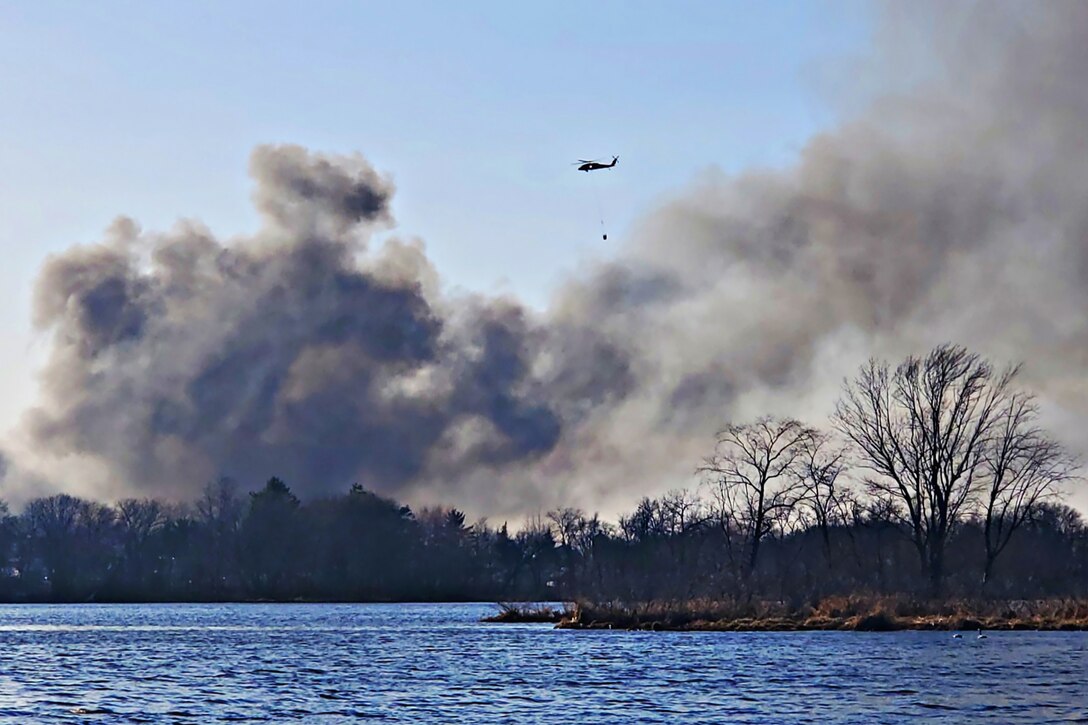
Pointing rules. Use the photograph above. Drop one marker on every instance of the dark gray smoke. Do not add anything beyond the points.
(177, 358)
(953, 207)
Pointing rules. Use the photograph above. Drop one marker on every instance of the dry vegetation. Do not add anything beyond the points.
(859, 613)
(514, 613)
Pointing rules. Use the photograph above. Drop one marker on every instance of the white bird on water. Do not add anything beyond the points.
(980, 634)
(957, 636)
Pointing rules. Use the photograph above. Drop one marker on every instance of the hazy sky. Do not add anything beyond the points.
(476, 110)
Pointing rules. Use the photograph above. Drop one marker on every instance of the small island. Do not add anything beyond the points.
(932, 502)
(859, 614)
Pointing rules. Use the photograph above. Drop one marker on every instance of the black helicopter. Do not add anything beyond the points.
(587, 165)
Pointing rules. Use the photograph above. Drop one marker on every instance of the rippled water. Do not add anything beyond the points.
(425, 663)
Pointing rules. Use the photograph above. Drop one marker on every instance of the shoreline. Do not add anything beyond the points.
(845, 625)
(833, 614)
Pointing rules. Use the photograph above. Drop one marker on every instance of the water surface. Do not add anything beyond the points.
(435, 663)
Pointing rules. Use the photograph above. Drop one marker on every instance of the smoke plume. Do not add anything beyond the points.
(952, 208)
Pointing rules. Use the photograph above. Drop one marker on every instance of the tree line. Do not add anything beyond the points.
(934, 478)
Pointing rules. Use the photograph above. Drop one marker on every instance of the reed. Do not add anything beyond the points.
(860, 612)
(510, 612)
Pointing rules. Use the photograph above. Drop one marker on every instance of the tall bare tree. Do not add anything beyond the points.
(824, 495)
(922, 432)
(1024, 467)
(220, 510)
(220, 507)
(752, 477)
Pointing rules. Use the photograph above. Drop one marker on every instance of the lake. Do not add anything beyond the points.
(436, 663)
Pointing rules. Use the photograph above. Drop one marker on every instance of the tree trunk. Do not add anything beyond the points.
(757, 536)
(753, 555)
(988, 569)
(936, 572)
(825, 534)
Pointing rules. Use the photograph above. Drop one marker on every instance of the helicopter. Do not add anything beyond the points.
(593, 165)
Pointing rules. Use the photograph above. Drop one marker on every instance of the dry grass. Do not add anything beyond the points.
(511, 613)
(855, 612)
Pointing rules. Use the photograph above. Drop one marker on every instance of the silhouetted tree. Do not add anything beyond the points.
(956, 472)
(137, 521)
(753, 476)
(1023, 467)
(270, 535)
(74, 539)
(9, 561)
(921, 431)
(823, 494)
(364, 546)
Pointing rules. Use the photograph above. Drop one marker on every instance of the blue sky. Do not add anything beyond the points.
(476, 109)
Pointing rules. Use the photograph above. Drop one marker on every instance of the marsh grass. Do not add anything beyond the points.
(855, 612)
(510, 612)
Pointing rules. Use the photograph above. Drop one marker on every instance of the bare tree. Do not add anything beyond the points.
(137, 521)
(922, 432)
(753, 477)
(537, 544)
(824, 496)
(1023, 467)
(577, 531)
(139, 518)
(644, 522)
(74, 539)
(219, 509)
(681, 512)
(566, 523)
